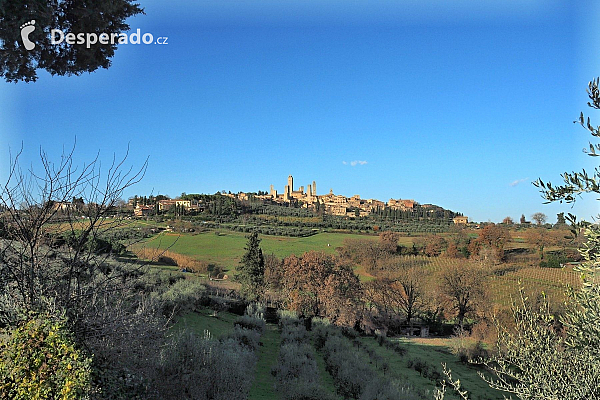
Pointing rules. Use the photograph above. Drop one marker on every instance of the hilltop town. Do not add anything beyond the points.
(303, 197)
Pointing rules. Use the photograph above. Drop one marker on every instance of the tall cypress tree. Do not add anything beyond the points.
(251, 271)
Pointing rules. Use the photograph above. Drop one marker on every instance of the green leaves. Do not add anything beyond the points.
(251, 271)
(74, 16)
(40, 361)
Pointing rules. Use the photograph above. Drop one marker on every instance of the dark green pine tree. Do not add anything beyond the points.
(251, 271)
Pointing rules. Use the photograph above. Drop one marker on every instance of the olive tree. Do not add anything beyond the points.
(537, 359)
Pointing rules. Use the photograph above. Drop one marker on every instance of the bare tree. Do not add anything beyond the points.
(464, 287)
(410, 281)
(53, 220)
(539, 218)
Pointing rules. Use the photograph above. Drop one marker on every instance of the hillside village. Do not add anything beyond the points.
(330, 203)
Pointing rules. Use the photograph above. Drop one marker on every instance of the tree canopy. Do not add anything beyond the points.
(73, 16)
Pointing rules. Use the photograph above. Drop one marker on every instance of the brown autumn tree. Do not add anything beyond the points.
(452, 250)
(541, 237)
(539, 218)
(410, 284)
(371, 255)
(493, 236)
(398, 292)
(464, 288)
(318, 284)
(382, 298)
(433, 245)
(341, 296)
(508, 221)
(365, 252)
(273, 272)
(370, 290)
(388, 241)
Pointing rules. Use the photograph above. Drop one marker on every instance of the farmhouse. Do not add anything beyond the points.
(186, 204)
(142, 211)
(460, 220)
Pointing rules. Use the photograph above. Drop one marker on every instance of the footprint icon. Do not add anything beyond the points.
(26, 29)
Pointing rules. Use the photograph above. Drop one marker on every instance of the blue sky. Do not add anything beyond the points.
(455, 103)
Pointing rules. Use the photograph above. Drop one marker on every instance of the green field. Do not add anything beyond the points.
(226, 248)
(218, 326)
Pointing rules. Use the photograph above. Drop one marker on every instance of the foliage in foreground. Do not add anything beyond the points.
(40, 361)
(296, 373)
(205, 368)
(537, 360)
(534, 361)
(353, 378)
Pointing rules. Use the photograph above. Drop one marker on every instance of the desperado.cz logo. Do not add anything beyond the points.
(26, 29)
(57, 36)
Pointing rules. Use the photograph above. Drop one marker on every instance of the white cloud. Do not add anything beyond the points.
(354, 163)
(515, 183)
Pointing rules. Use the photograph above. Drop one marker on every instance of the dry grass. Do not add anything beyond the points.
(171, 258)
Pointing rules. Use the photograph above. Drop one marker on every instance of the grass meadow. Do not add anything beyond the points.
(226, 248)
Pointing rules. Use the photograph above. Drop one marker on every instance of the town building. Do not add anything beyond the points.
(143, 211)
(460, 220)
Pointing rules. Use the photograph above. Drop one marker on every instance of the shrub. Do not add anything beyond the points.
(40, 361)
(349, 333)
(204, 368)
(246, 337)
(396, 347)
(380, 389)
(166, 260)
(182, 296)
(294, 334)
(293, 330)
(296, 365)
(424, 369)
(351, 374)
(296, 373)
(286, 317)
(256, 310)
(466, 347)
(248, 322)
(174, 259)
(554, 261)
(321, 332)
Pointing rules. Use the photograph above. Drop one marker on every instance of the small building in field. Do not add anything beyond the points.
(142, 211)
(460, 220)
